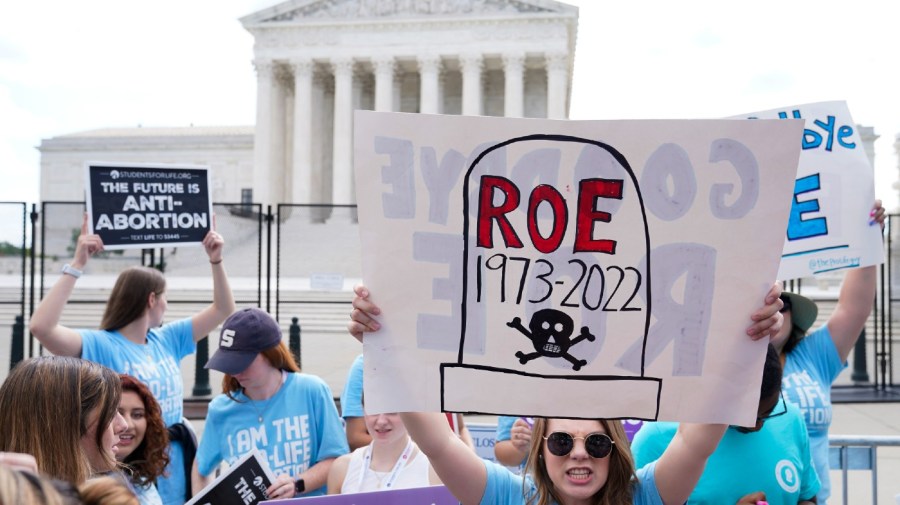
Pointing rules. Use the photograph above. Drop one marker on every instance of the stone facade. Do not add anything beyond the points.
(318, 60)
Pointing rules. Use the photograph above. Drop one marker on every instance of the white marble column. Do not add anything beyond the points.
(429, 84)
(262, 140)
(302, 158)
(342, 158)
(514, 92)
(471, 65)
(557, 85)
(384, 83)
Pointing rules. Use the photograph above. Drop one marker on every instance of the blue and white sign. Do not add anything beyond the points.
(829, 226)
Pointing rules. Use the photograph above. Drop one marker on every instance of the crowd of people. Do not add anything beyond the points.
(128, 441)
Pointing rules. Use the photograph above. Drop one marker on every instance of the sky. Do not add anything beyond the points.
(72, 66)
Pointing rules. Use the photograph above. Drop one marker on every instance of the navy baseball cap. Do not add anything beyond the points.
(245, 334)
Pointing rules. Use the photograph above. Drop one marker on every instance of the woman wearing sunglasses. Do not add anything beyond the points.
(571, 462)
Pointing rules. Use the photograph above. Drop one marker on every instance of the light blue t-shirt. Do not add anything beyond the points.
(156, 364)
(505, 488)
(300, 427)
(775, 460)
(809, 370)
(504, 432)
(351, 397)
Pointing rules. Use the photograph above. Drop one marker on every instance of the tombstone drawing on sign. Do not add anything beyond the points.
(550, 247)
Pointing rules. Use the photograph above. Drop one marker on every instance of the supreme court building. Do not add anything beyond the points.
(316, 61)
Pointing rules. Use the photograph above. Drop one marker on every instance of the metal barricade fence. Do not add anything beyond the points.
(857, 452)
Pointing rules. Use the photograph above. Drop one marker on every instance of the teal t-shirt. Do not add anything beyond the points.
(775, 460)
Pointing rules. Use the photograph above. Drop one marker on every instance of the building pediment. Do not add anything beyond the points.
(293, 11)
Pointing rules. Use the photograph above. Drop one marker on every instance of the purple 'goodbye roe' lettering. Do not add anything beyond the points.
(687, 324)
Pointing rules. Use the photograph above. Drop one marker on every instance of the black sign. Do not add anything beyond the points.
(243, 483)
(139, 206)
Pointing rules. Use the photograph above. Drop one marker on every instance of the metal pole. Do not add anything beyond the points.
(294, 340)
(860, 373)
(17, 352)
(201, 374)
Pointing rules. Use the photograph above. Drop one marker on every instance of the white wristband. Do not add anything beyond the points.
(70, 270)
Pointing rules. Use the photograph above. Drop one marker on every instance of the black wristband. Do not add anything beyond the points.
(299, 486)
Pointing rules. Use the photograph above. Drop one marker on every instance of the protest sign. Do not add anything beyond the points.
(570, 269)
(139, 206)
(829, 226)
(432, 495)
(243, 483)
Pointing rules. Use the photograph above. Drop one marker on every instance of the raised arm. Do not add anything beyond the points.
(457, 465)
(682, 463)
(855, 300)
(44, 323)
(222, 306)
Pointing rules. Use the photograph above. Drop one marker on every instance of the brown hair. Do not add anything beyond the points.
(38, 393)
(128, 299)
(279, 357)
(148, 461)
(106, 490)
(19, 487)
(618, 487)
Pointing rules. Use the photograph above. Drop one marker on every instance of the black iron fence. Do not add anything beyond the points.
(297, 263)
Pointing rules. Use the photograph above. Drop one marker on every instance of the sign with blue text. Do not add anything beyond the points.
(829, 227)
(135, 206)
(575, 269)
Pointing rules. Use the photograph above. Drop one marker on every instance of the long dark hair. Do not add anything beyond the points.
(128, 299)
(38, 393)
(148, 461)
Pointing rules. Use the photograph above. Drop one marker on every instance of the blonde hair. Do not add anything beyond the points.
(106, 491)
(19, 487)
(619, 480)
(38, 393)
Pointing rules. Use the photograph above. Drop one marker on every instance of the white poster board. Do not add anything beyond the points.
(829, 226)
(644, 245)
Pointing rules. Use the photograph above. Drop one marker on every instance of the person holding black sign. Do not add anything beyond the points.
(269, 406)
(133, 340)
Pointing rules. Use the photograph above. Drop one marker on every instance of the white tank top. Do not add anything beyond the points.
(360, 479)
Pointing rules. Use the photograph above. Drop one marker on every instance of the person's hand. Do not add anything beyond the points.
(362, 316)
(87, 245)
(283, 487)
(767, 320)
(214, 244)
(752, 499)
(877, 214)
(19, 461)
(520, 435)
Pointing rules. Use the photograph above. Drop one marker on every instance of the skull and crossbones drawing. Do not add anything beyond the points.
(550, 334)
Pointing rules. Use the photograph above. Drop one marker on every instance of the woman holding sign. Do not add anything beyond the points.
(133, 340)
(812, 362)
(571, 462)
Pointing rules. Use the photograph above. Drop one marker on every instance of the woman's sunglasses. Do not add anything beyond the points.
(597, 445)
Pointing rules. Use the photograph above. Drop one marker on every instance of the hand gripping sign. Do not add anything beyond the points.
(569, 269)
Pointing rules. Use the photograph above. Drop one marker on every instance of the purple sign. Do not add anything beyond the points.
(433, 495)
(631, 427)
